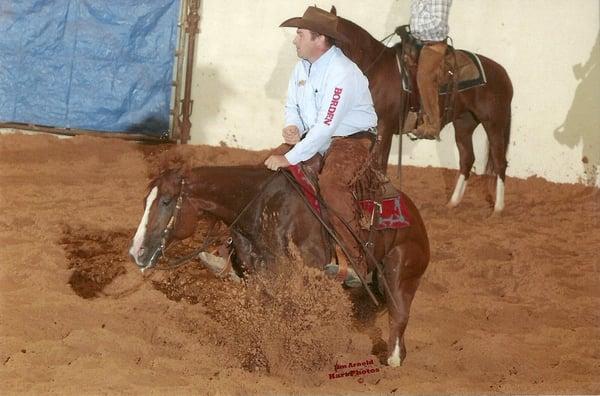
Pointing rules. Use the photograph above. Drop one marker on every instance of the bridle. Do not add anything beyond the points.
(176, 262)
(171, 224)
(162, 249)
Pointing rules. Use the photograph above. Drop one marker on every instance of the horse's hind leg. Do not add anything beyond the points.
(497, 132)
(464, 125)
(403, 267)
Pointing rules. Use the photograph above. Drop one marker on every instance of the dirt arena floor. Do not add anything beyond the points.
(509, 304)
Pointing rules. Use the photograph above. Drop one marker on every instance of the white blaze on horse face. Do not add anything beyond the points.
(394, 359)
(138, 239)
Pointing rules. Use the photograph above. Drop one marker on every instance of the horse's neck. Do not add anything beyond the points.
(364, 49)
(227, 190)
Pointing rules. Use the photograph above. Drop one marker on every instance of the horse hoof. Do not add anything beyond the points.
(394, 361)
(451, 205)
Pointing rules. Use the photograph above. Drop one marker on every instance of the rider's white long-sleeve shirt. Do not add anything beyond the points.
(327, 98)
(429, 19)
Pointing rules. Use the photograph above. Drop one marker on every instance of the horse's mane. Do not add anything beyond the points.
(183, 163)
(178, 159)
(363, 47)
(358, 32)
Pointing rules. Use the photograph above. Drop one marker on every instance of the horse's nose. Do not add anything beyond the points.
(136, 255)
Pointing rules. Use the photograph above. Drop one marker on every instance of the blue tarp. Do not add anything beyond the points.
(103, 65)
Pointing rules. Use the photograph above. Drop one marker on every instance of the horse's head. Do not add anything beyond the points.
(169, 215)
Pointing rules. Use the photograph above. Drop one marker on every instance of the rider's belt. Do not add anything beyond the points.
(370, 133)
(425, 42)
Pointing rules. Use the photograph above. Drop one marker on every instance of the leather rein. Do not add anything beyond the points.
(384, 41)
(334, 236)
(179, 261)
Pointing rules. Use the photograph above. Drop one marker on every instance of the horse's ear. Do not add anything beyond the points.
(333, 10)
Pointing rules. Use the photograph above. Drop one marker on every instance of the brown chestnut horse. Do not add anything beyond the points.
(489, 105)
(268, 216)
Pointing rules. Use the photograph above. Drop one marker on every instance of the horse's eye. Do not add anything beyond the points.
(165, 201)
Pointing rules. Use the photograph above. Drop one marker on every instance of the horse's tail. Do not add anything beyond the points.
(507, 132)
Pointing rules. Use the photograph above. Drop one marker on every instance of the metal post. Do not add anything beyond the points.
(192, 30)
(180, 55)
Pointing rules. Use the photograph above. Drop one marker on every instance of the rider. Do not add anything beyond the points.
(329, 110)
(429, 24)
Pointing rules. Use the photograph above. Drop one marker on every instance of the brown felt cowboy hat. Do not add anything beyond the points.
(319, 21)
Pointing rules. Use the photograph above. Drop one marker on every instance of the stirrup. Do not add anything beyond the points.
(351, 280)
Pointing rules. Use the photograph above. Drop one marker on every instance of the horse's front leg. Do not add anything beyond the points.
(246, 257)
(386, 133)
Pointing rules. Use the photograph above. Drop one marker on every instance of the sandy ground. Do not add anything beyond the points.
(509, 304)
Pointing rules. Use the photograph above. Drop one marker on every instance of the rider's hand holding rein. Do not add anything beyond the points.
(291, 134)
(275, 162)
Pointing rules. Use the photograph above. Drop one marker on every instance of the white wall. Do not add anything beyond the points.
(550, 49)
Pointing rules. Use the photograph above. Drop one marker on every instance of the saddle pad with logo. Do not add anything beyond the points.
(390, 213)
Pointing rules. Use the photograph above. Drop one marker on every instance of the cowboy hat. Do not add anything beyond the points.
(319, 21)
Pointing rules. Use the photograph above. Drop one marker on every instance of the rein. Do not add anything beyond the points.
(162, 250)
(386, 39)
(179, 261)
(331, 232)
(269, 180)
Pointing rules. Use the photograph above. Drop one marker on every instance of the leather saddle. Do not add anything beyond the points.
(460, 71)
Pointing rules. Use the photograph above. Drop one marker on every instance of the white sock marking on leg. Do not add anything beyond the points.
(394, 359)
(459, 191)
(499, 205)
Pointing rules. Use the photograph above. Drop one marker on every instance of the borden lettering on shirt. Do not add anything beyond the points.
(337, 94)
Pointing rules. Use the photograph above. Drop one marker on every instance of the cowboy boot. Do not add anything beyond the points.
(430, 62)
(410, 122)
(430, 128)
(343, 272)
(353, 280)
(350, 279)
